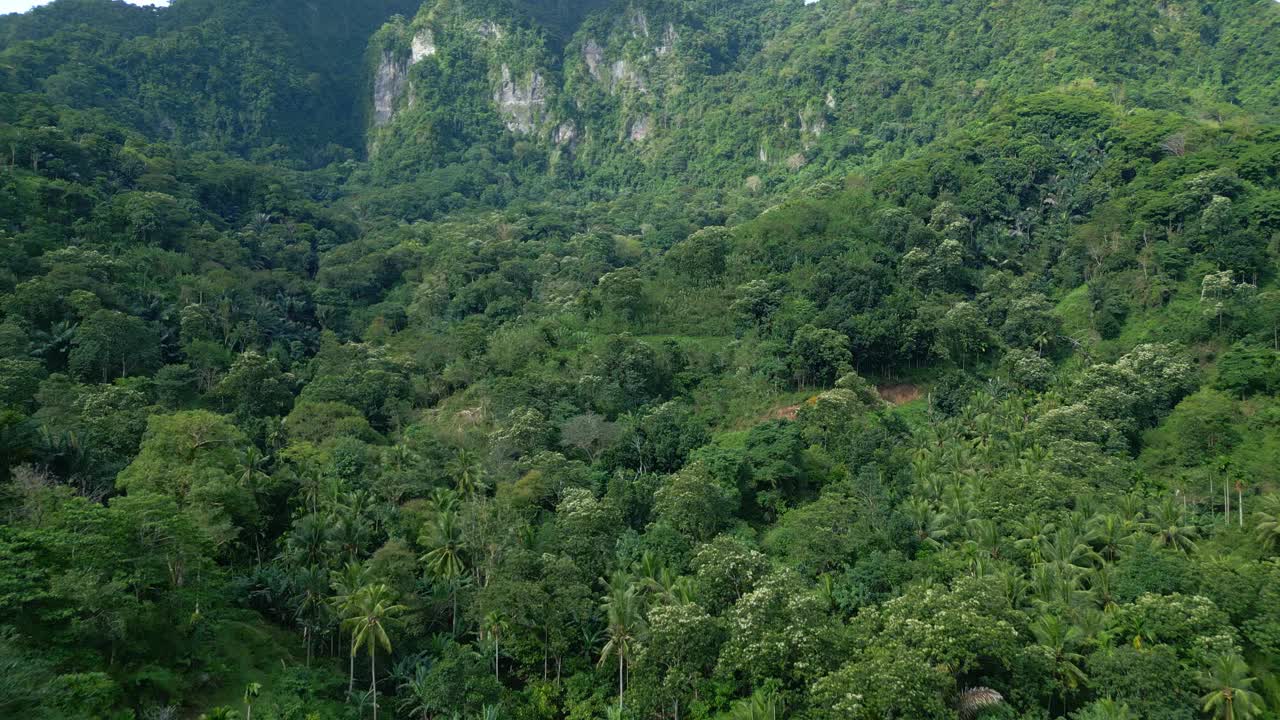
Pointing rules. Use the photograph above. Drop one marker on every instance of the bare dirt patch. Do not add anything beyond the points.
(788, 412)
(898, 394)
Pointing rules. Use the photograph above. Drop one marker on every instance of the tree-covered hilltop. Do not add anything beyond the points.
(915, 360)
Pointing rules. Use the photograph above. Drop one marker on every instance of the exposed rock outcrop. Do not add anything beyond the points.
(389, 83)
(521, 104)
(424, 46)
(639, 128)
(593, 55)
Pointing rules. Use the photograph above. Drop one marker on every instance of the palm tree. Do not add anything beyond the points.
(1230, 693)
(495, 624)
(1101, 582)
(1059, 638)
(311, 587)
(1268, 529)
(1110, 533)
(1139, 629)
(1106, 709)
(467, 473)
(311, 481)
(1170, 532)
(372, 609)
(762, 705)
(1032, 532)
(415, 692)
(346, 584)
(931, 527)
(986, 534)
(626, 624)
(1067, 553)
(251, 467)
(445, 559)
(972, 701)
(251, 692)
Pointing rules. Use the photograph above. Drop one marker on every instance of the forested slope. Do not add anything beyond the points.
(351, 358)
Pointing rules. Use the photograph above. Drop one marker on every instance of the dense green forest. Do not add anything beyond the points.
(640, 360)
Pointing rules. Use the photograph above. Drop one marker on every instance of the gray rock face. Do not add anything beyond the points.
(669, 38)
(593, 54)
(388, 85)
(521, 104)
(566, 134)
(424, 46)
(639, 128)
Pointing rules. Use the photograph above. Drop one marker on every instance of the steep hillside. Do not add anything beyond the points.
(640, 360)
(279, 79)
(775, 95)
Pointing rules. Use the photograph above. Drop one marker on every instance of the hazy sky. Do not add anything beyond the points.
(8, 6)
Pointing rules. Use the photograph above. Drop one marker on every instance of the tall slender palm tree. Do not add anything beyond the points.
(445, 558)
(1231, 695)
(467, 473)
(311, 586)
(623, 607)
(372, 610)
(495, 625)
(346, 584)
(1059, 638)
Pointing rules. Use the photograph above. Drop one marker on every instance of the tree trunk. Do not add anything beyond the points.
(351, 669)
(1240, 503)
(619, 682)
(373, 679)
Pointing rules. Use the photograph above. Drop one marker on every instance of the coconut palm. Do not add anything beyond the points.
(1106, 709)
(1168, 523)
(1067, 552)
(1268, 528)
(415, 692)
(445, 555)
(467, 473)
(986, 536)
(762, 705)
(931, 527)
(1110, 533)
(310, 589)
(1032, 533)
(372, 609)
(1059, 638)
(623, 607)
(251, 467)
(1231, 695)
(346, 584)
